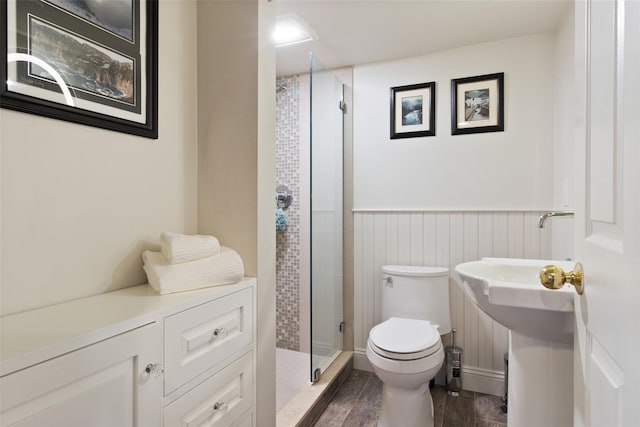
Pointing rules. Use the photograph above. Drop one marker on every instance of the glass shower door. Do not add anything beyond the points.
(326, 216)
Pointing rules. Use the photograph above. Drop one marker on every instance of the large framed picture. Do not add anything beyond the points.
(477, 104)
(413, 111)
(93, 62)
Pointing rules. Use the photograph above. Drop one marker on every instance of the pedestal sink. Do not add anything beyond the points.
(509, 291)
(541, 324)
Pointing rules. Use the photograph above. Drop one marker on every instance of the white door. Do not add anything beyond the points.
(607, 340)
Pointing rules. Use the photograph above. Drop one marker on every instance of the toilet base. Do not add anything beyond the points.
(407, 408)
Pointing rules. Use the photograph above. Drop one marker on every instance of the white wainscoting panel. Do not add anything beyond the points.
(444, 239)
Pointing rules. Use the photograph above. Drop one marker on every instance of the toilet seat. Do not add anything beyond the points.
(404, 339)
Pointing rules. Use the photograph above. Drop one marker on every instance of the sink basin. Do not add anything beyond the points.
(509, 291)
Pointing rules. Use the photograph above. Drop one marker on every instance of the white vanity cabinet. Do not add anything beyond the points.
(132, 358)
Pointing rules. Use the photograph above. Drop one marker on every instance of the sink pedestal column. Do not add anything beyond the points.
(540, 382)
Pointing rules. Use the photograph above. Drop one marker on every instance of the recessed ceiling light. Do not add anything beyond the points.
(290, 29)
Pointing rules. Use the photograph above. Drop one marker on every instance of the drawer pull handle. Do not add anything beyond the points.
(154, 369)
(220, 406)
(220, 333)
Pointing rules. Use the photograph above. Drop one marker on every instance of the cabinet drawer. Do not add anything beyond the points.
(199, 338)
(219, 401)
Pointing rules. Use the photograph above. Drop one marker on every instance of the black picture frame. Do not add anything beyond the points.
(477, 104)
(103, 71)
(413, 111)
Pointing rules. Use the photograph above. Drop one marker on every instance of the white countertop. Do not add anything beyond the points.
(33, 336)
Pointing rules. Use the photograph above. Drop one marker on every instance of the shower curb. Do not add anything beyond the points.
(306, 407)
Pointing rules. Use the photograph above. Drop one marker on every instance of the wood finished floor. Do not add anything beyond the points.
(358, 401)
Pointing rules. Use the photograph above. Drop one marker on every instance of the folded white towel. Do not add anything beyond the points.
(179, 248)
(165, 278)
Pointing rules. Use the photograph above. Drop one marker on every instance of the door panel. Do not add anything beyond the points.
(602, 89)
(606, 373)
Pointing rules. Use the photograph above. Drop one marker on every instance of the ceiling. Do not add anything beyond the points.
(354, 32)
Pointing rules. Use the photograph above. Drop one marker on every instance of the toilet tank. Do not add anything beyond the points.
(417, 292)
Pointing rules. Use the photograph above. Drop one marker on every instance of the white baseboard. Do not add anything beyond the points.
(360, 360)
(473, 379)
(483, 380)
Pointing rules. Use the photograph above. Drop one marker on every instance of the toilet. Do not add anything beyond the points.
(405, 350)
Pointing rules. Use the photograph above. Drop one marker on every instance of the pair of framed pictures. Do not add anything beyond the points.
(92, 62)
(477, 105)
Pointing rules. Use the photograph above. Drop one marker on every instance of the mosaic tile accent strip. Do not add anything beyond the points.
(288, 240)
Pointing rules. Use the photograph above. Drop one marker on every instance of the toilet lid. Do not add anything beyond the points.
(399, 338)
(415, 270)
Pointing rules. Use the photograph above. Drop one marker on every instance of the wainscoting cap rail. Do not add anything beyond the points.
(409, 210)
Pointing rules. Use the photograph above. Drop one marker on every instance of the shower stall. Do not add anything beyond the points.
(309, 238)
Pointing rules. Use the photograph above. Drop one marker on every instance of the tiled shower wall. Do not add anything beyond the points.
(288, 240)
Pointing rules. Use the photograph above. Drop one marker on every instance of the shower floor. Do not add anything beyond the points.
(292, 374)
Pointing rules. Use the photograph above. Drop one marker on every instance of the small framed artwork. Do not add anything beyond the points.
(413, 111)
(91, 62)
(477, 104)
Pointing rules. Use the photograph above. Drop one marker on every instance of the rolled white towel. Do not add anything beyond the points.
(166, 278)
(179, 248)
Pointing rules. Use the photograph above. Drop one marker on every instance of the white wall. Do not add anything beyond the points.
(80, 204)
(236, 156)
(564, 116)
(227, 125)
(266, 233)
(507, 170)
